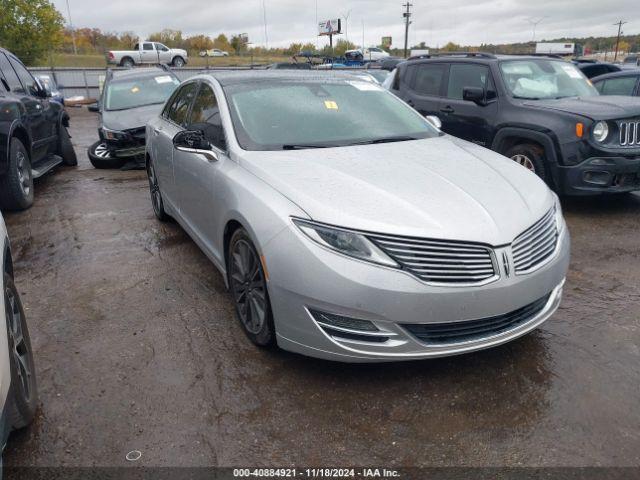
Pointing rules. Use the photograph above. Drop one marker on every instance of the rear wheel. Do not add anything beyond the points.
(23, 394)
(100, 156)
(65, 148)
(127, 62)
(249, 289)
(531, 157)
(16, 185)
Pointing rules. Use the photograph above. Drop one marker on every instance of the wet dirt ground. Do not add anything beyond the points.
(137, 348)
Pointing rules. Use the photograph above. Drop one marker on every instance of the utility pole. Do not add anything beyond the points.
(73, 32)
(407, 16)
(619, 24)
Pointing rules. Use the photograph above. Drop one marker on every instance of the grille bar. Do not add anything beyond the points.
(629, 132)
(466, 331)
(446, 261)
(536, 244)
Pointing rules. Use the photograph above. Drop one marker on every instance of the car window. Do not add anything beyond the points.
(29, 85)
(205, 116)
(618, 86)
(466, 75)
(147, 46)
(122, 94)
(428, 78)
(9, 74)
(178, 110)
(161, 47)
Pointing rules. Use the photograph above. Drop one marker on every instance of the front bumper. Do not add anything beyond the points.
(601, 175)
(133, 145)
(321, 280)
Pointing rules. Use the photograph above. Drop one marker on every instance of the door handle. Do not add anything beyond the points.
(447, 109)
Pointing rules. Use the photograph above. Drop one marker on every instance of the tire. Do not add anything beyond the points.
(156, 195)
(178, 62)
(100, 157)
(16, 185)
(249, 290)
(531, 157)
(127, 62)
(65, 148)
(23, 392)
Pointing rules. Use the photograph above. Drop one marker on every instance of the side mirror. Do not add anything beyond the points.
(194, 141)
(434, 121)
(94, 107)
(474, 94)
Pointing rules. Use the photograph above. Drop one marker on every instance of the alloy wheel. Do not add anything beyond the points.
(101, 151)
(525, 161)
(248, 286)
(156, 198)
(24, 173)
(18, 346)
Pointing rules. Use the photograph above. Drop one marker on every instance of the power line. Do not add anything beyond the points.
(407, 16)
(619, 24)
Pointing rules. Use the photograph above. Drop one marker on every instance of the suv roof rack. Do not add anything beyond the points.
(548, 55)
(455, 54)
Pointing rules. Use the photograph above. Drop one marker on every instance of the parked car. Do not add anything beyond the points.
(214, 52)
(346, 226)
(18, 386)
(33, 133)
(541, 112)
(626, 82)
(592, 69)
(372, 54)
(149, 53)
(49, 85)
(631, 61)
(129, 99)
(389, 63)
(289, 66)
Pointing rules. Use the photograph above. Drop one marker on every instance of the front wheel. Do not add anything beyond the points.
(23, 394)
(65, 148)
(100, 156)
(178, 62)
(249, 289)
(531, 157)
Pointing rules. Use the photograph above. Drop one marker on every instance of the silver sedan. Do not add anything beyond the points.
(346, 225)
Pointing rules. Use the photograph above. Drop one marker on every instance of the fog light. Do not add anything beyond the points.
(332, 320)
(597, 177)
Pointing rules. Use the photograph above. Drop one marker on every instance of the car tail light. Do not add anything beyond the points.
(111, 55)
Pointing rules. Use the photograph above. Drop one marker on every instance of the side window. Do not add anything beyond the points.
(30, 87)
(428, 78)
(600, 85)
(205, 116)
(9, 74)
(161, 48)
(178, 109)
(466, 75)
(619, 86)
(147, 46)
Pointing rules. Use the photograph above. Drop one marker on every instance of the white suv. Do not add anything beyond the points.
(18, 389)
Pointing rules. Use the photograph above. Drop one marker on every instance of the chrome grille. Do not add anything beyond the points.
(439, 261)
(629, 133)
(536, 244)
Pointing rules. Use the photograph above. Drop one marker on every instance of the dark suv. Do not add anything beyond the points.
(541, 112)
(33, 133)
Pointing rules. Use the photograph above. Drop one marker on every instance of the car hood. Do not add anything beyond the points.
(605, 107)
(440, 188)
(131, 118)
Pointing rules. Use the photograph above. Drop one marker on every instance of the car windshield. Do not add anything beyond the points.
(138, 92)
(544, 79)
(281, 115)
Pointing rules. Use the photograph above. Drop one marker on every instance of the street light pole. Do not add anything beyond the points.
(407, 16)
(73, 32)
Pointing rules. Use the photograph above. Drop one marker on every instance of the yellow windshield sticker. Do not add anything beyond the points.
(331, 105)
(135, 90)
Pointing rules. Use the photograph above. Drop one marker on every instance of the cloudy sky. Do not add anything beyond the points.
(435, 22)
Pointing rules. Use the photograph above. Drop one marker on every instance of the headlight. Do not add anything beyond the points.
(600, 131)
(113, 134)
(344, 241)
(560, 223)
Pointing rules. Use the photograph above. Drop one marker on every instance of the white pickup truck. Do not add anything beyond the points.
(148, 52)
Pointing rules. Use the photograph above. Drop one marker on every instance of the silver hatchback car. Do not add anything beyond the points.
(346, 225)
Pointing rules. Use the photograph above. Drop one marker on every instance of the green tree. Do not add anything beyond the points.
(30, 28)
(221, 42)
(342, 46)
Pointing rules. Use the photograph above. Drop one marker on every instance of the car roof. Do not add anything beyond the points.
(476, 57)
(139, 72)
(621, 73)
(235, 77)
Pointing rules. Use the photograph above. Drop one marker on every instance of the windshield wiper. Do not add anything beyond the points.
(400, 138)
(302, 147)
(526, 98)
